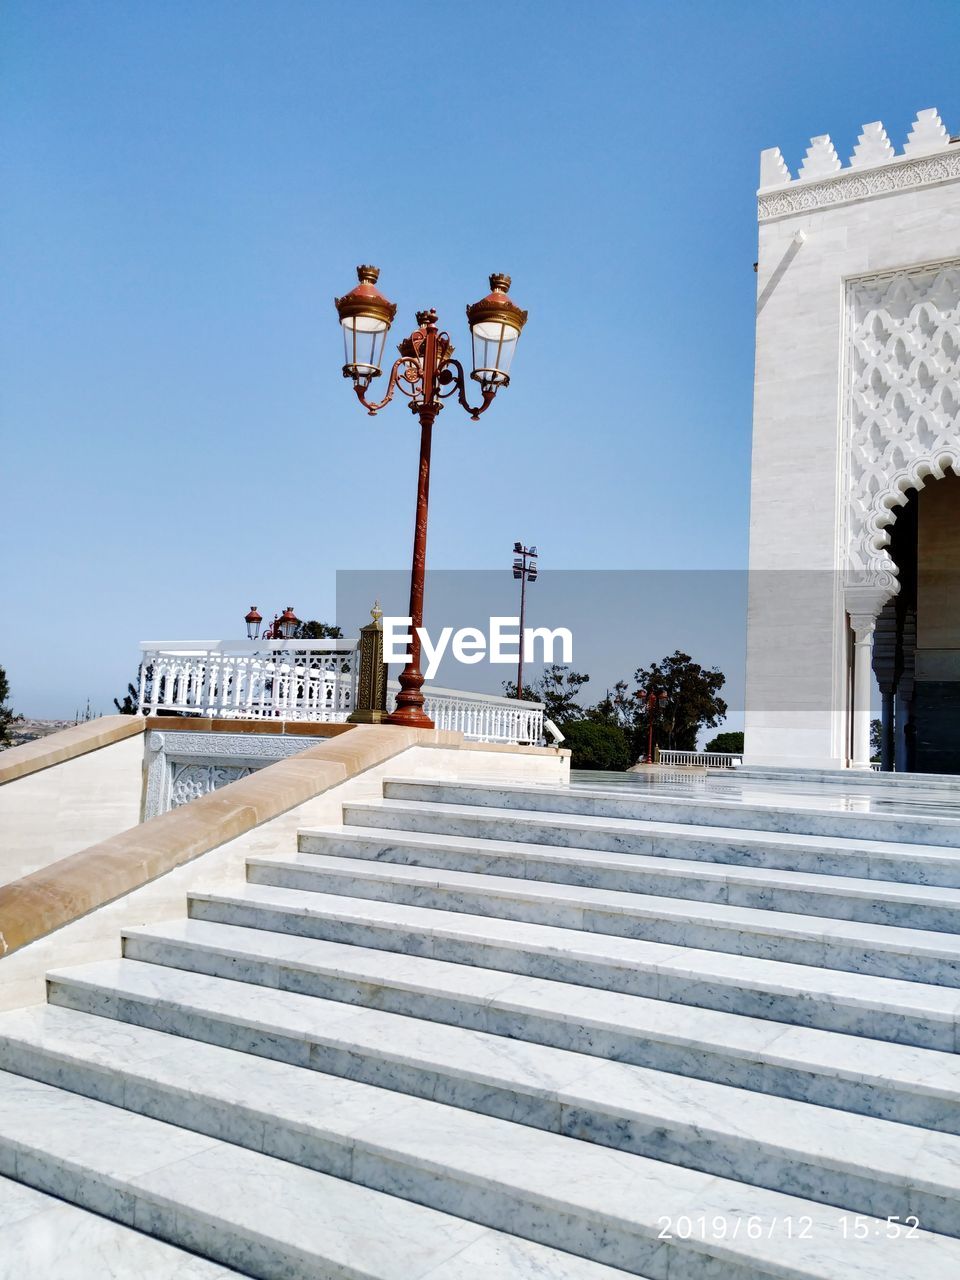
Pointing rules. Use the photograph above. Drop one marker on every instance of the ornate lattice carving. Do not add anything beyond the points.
(903, 399)
(193, 780)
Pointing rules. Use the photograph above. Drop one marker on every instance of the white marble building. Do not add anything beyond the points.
(854, 531)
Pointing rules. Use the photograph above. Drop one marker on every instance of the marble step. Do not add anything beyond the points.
(883, 950)
(424, 1077)
(47, 1239)
(890, 1081)
(823, 855)
(940, 786)
(810, 817)
(267, 1217)
(438, 1155)
(839, 897)
(858, 1004)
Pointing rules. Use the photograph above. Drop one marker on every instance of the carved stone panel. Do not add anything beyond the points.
(902, 404)
(185, 765)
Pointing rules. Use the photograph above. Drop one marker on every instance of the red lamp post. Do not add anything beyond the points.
(654, 703)
(426, 374)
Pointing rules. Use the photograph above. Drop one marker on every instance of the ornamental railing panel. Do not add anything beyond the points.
(482, 717)
(250, 680)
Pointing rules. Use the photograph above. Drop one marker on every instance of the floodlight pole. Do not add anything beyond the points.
(524, 567)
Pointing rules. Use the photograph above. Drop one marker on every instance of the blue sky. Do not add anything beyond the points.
(188, 184)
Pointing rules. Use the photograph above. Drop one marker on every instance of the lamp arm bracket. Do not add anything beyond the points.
(403, 367)
(460, 386)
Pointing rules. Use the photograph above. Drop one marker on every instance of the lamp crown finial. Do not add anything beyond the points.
(500, 283)
(368, 275)
(429, 316)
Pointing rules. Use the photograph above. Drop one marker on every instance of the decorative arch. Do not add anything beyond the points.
(902, 415)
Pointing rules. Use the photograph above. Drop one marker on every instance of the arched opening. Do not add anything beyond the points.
(916, 651)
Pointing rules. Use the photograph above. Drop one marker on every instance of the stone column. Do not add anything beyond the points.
(863, 628)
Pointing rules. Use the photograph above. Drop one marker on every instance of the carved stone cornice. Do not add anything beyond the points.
(802, 196)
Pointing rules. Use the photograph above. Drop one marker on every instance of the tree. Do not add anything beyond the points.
(317, 631)
(557, 689)
(618, 708)
(876, 741)
(131, 699)
(692, 703)
(128, 707)
(597, 746)
(8, 716)
(530, 694)
(731, 742)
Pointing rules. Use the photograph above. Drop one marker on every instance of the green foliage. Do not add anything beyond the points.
(128, 707)
(597, 746)
(692, 702)
(557, 689)
(318, 631)
(529, 692)
(8, 716)
(731, 742)
(876, 740)
(617, 708)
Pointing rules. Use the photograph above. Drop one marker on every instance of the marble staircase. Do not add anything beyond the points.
(491, 1031)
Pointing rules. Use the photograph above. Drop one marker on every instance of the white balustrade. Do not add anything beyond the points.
(250, 679)
(482, 717)
(305, 680)
(700, 759)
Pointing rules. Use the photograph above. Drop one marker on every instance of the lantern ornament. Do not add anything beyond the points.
(287, 624)
(495, 324)
(427, 375)
(253, 621)
(365, 317)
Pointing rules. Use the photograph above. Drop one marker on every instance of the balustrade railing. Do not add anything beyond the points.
(699, 759)
(482, 717)
(305, 680)
(250, 679)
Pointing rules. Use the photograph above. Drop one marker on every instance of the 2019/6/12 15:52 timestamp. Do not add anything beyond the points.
(721, 1227)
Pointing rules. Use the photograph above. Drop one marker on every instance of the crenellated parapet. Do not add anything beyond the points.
(875, 168)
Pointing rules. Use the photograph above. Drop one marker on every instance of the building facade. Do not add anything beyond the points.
(855, 491)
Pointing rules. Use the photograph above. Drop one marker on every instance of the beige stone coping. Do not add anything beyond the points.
(37, 904)
(17, 762)
(514, 748)
(215, 724)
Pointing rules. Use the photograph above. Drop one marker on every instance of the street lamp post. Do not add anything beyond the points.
(283, 627)
(426, 374)
(524, 568)
(654, 702)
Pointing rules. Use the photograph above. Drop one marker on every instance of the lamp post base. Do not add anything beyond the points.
(409, 711)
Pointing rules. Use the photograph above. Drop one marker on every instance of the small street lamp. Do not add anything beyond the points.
(426, 374)
(253, 620)
(524, 568)
(654, 703)
(283, 627)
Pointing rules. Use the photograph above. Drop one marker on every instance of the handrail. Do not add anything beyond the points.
(346, 644)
